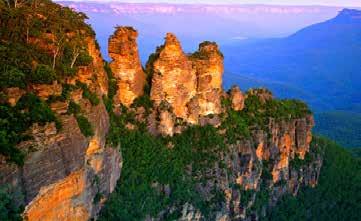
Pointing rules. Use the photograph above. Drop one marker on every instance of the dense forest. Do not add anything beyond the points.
(342, 126)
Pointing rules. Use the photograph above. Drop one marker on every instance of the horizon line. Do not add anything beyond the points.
(209, 4)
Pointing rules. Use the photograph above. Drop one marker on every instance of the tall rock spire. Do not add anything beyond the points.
(208, 63)
(126, 65)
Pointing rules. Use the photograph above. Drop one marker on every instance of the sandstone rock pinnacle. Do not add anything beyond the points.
(208, 63)
(126, 65)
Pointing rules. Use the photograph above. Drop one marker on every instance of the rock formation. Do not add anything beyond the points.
(208, 63)
(237, 99)
(126, 65)
(173, 78)
(192, 85)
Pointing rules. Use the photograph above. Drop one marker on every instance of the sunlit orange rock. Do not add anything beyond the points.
(208, 63)
(126, 65)
(174, 79)
(59, 201)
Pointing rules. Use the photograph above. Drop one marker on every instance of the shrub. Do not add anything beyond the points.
(84, 59)
(73, 108)
(84, 125)
(43, 74)
(68, 71)
(113, 87)
(12, 77)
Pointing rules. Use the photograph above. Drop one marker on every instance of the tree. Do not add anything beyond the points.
(76, 46)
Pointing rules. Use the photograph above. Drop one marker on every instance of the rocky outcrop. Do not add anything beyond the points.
(126, 65)
(237, 99)
(67, 176)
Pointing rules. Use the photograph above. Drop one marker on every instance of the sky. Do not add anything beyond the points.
(353, 3)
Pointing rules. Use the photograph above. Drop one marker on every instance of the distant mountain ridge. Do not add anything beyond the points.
(321, 60)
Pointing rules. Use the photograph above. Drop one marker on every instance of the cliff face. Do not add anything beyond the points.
(64, 171)
(126, 65)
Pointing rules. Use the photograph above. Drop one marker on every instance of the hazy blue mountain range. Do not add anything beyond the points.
(320, 63)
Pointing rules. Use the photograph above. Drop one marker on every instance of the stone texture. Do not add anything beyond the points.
(174, 79)
(208, 63)
(44, 91)
(126, 65)
(237, 98)
(191, 84)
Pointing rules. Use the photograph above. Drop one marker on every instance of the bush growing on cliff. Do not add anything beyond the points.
(43, 74)
(84, 59)
(84, 125)
(11, 77)
(113, 87)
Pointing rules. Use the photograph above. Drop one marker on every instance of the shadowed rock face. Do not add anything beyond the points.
(126, 65)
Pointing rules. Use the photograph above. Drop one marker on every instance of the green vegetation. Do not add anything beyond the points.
(38, 50)
(342, 126)
(257, 114)
(9, 210)
(14, 121)
(153, 164)
(336, 197)
(11, 77)
(113, 87)
(43, 74)
(84, 125)
(92, 97)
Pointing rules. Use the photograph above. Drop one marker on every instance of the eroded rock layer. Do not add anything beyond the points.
(126, 65)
